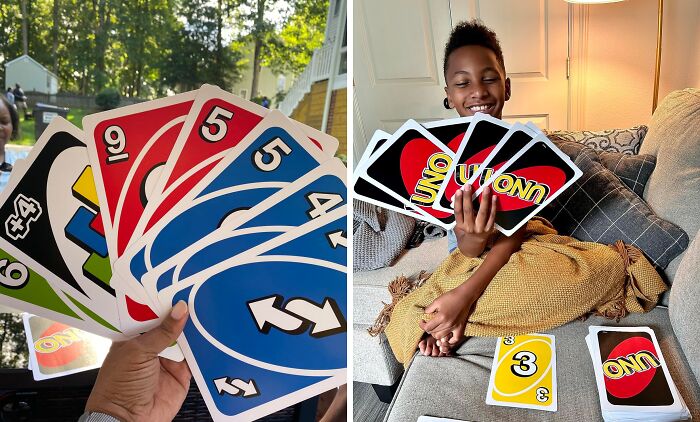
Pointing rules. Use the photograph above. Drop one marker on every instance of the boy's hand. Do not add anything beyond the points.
(451, 311)
(473, 231)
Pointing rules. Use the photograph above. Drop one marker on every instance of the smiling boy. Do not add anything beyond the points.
(476, 81)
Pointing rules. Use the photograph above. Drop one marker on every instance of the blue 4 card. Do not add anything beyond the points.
(296, 304)
(271, 155)
(311, 196)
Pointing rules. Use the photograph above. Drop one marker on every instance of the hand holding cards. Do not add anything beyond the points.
(418, 169)
(202, 197)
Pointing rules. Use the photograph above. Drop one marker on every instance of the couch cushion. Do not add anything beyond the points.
(684, 305)
(372, 359)
(370, 287)
(625, 141)
(455, 387)
(674, 137)
(633, 170)
(598, 207)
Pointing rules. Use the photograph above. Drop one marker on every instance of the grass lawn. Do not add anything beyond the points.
(26, 135)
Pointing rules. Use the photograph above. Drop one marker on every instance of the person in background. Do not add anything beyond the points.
(9, 126)
(10, 97)
(265, 102)
(20, 100)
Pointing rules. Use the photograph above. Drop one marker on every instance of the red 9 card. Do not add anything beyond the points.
(482, 136)
(528, 182)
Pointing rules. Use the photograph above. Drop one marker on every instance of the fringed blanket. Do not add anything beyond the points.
(550, 281)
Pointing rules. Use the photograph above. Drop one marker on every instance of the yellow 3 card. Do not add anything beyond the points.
(524, 373)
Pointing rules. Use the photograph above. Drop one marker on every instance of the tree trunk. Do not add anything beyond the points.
(55, 35)
(258, 35)
(25, 40)
(101, 45)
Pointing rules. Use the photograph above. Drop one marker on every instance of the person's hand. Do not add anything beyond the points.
(473, 231)
(135, 384)
(450, 312)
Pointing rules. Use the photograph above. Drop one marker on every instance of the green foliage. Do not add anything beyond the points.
(108, 99)
(13, 342)
(148, 48)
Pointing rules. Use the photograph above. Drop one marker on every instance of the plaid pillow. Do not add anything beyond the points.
(633, 170)
(626, 141)
(598, 207)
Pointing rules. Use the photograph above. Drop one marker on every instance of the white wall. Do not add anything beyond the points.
(30, 76)
(616, 48)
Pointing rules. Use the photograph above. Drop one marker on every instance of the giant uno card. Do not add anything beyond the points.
(411, 166)
(528, 182)
(482, 136)
(52, 225)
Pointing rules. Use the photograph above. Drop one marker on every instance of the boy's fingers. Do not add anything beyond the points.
(467, 209)
(429, 325)
(492, 218)
(156, 340)
(459, 217)
(484, 209)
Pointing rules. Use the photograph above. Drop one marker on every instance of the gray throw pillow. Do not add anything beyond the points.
(633, 170)
(379, 235)
(626, 141)
(598, 207)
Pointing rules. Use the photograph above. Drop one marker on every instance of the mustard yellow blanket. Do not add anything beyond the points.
(552, 280)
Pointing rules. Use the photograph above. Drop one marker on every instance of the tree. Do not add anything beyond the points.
(13, 341)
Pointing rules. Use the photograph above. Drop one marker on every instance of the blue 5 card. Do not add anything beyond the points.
(310, 197)
(277, 302)
(270, 156)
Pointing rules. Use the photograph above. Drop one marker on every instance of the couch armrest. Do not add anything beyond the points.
(684, 305)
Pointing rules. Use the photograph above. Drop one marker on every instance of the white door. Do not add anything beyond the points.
(398, 54)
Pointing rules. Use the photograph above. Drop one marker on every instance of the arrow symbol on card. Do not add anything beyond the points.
(337, 238)
(236, 387)
(297, 315)
(326, 319)
(267, 314)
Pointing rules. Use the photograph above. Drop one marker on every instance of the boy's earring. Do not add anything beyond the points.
(446, 104)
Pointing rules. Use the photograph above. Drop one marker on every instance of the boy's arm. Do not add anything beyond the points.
(453, 308)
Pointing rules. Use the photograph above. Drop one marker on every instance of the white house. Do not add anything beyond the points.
(30, 75)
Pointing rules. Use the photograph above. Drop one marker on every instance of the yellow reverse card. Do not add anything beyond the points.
(524, 373)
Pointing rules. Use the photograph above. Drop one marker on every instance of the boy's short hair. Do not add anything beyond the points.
(473, 32)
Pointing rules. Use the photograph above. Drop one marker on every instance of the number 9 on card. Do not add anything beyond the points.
(523, 373)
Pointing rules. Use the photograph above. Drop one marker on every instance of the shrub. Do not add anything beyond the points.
(108, 99)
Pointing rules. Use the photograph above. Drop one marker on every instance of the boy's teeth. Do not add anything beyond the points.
(479, 108)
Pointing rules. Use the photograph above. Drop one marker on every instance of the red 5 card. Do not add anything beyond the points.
(218, 121)
(528, 182)
(482, 136)
(127, 148)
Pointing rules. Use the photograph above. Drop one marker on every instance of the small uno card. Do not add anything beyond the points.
(128, 147)
(482, 136)
(56, 349)
(528, 182)
(411, 166)
(524, 373)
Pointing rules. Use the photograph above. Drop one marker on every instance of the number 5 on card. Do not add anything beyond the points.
(524, 373)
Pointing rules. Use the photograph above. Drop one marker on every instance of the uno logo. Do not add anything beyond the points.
(630, 367)
(433, 174)
(58, 345)
(519, 187)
